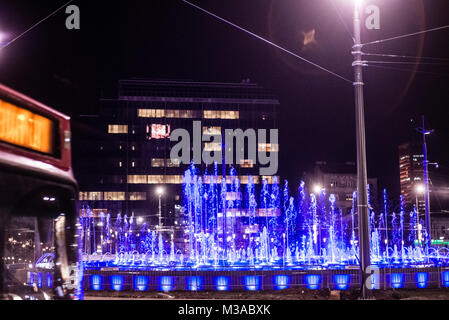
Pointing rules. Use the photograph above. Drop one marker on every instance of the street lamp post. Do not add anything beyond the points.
(362, 179)
(426, 180)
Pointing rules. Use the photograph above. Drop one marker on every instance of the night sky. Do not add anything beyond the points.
(71, 70)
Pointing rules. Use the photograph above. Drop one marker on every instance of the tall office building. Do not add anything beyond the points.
(122, 165)
(411, 170)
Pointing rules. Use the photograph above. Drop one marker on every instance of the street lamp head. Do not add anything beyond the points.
(317, 189)
(420, 189)
(160, 191)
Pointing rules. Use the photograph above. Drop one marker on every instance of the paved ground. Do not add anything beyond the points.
(292, 294)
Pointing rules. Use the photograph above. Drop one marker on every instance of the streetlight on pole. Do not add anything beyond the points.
(160, 192)
(426, 179)
(419, 190)
(317, 189)
(362, 178)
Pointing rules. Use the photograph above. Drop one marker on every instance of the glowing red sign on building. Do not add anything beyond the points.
(158, 131)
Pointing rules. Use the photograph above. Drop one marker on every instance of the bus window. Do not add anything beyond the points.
(29, 257)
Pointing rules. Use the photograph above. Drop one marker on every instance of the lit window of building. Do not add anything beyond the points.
(270, 179)
(155, 179)
(173, 163)
(90, 196)
(137, 179)
(242, 179)
(211, 131)
(173, 179)
(218, 114)
(137, 196)
(158, 163)
(114, 196)
(212, 146)
(117, 129)
(173, 114)
(268, 147)
(187, 114)
(161, 163)
(248, 163)
(151, 113)
(178, 179)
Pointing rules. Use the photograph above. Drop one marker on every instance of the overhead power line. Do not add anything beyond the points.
(407, 35)
(409, 70)
(269, 42)
(404, 57)
(35, 25)
(409, 62)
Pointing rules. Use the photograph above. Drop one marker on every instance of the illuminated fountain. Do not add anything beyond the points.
(227, 229)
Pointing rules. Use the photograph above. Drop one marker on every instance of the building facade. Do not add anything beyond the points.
(440, 228)
(339, 179)
(123, 165)
(411, 171)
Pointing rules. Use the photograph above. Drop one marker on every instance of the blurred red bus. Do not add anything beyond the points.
(38, 221)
